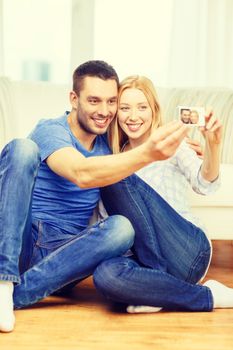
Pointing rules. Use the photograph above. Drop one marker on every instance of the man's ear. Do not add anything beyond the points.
(73, 99)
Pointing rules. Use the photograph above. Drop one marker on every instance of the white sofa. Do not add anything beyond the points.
(22, 104)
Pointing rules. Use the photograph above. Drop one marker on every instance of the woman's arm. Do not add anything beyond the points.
(212, 132)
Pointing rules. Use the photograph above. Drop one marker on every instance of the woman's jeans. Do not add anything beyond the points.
(39, 258)
(170, 254)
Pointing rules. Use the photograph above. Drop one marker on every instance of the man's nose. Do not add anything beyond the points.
(103, 109)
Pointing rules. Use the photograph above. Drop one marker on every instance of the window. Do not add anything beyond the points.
(36, 38)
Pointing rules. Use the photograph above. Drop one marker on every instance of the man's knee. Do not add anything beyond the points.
(122, 231)
(22, 151)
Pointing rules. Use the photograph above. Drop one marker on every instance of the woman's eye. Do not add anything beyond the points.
(124, 109)
(142, 108)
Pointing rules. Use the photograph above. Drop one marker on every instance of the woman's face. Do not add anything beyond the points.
(194, 117)
(135, 114)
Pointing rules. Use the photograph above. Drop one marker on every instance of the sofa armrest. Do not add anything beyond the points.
(223, 197)
(216, 211)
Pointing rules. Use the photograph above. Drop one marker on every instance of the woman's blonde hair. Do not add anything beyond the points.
(117, 138)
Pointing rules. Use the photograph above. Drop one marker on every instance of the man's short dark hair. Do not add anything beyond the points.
(95, 68)
(185, 109)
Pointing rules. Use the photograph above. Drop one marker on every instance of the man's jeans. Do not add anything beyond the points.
(29, 257)
(170, 254)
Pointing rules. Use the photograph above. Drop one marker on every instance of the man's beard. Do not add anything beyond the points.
(85, 127)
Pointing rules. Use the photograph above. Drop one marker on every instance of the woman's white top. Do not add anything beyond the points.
(172, 177)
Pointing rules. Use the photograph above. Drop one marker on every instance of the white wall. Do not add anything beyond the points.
(134, 36)
(174, 42)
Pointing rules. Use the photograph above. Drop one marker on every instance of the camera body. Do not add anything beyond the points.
(191, 115)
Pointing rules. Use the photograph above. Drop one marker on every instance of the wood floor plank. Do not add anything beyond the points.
(85, 321)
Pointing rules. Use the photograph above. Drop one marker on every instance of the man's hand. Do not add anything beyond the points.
(164, 141)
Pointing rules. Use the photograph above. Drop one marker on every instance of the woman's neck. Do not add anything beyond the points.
(130, 144)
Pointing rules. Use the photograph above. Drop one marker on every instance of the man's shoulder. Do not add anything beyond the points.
(51, 135)
(59, 121)
(52, 125)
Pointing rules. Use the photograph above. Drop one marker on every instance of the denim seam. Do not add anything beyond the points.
(136, 204)
(3, 162)
(5, 277)
(34, 246)
(202, 254)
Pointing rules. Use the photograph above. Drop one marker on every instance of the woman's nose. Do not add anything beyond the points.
(133, 115)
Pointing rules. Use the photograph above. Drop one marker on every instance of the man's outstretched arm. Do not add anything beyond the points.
(104, 170)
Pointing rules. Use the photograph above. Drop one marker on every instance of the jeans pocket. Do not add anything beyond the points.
(47, 238)
(199, 266)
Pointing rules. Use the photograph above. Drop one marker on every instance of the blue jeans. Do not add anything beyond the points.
(170, 254)
(37, 257)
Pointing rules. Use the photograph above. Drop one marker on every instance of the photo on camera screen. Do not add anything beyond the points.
(191, 115)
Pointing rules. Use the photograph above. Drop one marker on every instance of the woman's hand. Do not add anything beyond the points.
(196, 146)
(212, 131)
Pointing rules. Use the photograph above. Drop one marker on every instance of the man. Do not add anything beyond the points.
(44, 218)
(185, 115)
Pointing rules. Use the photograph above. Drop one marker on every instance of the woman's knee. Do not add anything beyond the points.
(106, 275)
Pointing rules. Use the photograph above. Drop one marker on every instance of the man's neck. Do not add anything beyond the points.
(86, 139)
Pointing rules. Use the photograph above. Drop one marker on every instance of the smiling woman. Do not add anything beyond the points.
(135, 115)
(138, 113)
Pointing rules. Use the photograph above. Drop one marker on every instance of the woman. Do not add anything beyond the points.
(171, 251)
(194, 117)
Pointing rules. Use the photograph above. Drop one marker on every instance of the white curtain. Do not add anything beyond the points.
(1, 39)
(201, 43)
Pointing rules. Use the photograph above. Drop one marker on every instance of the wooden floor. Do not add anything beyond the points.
(86, 321)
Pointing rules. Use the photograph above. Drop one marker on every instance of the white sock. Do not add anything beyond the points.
(7, 317)
(136, 309)
(222, 295)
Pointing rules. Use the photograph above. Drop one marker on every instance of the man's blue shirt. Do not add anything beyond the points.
(56, 200)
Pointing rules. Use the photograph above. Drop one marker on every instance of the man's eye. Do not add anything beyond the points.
(93, 101)
(112, 102)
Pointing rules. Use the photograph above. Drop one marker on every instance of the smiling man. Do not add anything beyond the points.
(49, 187)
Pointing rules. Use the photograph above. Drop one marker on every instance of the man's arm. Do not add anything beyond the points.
(104, 170)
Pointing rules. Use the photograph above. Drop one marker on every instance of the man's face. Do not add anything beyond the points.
(96, 105)
(185, 116)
